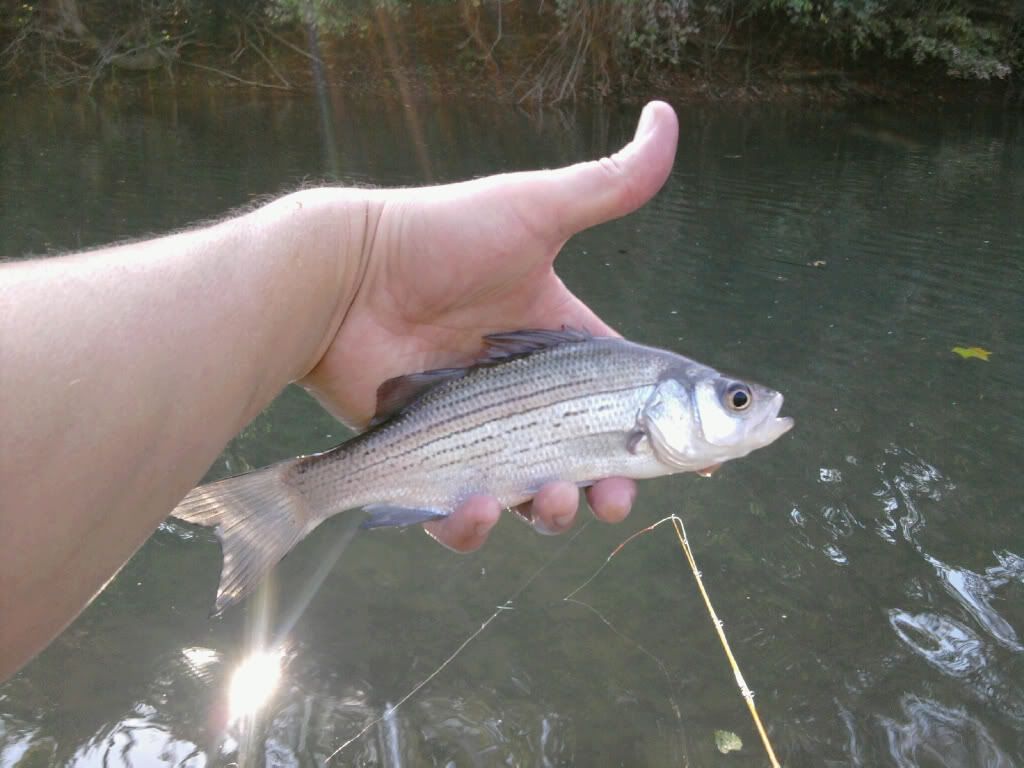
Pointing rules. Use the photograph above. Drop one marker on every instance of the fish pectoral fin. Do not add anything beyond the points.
(385, 515)
(634, 439)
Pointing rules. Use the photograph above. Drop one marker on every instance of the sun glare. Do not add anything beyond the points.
(253, 683)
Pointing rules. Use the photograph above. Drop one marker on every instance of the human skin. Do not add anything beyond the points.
(124, 371)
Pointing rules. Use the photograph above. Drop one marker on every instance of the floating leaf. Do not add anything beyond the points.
(727, 742)
(978, 352)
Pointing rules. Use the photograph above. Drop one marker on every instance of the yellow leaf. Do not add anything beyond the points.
(727, 742)
(978, 352)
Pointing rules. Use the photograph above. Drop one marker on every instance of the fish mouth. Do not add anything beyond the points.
(776, 426)
(784, 424)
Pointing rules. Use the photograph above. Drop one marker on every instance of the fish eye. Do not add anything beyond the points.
(738, 397)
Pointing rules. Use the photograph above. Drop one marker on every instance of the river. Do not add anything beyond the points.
(868, 567)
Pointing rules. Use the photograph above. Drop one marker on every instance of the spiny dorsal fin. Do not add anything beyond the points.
(396, 393)
(501, 346)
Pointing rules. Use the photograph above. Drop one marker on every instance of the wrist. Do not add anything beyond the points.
(325, 237)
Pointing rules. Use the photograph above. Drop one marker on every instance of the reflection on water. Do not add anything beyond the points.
(928, 733)
(868, 568)
(253, 683)
(141, 740)
(201, 663)
(973, 592)
(944, 642)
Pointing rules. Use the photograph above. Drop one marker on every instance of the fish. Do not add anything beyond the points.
(538, 406)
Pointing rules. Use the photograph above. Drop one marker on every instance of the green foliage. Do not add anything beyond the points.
(598, 45)
(605, 44)
(972, 39)
(656, 31)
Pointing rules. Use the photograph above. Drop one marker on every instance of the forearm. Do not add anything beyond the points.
(124, 372)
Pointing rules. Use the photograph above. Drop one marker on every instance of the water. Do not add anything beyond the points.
(869, 567)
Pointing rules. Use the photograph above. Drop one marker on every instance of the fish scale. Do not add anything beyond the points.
(542, 406)
(462, 424)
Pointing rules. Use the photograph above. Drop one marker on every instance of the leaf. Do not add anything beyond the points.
(727, 742)
(978, 352)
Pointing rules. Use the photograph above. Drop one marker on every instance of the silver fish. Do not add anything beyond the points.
(541, 406)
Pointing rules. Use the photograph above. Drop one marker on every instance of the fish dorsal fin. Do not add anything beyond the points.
(501, 346)
(396, 393)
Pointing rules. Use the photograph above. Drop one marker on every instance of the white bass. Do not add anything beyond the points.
(541, 406)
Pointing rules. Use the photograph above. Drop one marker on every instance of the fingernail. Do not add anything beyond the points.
(560, 523)
(540, 527)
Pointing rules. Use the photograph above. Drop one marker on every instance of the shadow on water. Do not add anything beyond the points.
(868, 568)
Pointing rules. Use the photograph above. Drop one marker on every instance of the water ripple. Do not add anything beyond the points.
(905, 480)
(951, 647)
(974, 593)
(957, 651)
(930, 733)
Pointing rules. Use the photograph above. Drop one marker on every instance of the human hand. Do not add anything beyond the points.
(443, 266)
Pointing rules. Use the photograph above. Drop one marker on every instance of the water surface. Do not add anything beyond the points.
(869, 567)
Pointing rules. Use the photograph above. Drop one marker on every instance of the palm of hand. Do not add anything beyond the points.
(445, 265)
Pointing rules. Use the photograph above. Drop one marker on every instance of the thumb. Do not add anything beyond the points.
(593, 192)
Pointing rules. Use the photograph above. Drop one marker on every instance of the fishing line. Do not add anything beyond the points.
(508, 605)
(571, 598)
(505, 606)
(639, 646)
(745, 692)
(389, 712)
(748, 695)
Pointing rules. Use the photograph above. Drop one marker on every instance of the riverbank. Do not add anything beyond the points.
(506, 53)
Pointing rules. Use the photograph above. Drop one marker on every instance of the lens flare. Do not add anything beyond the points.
(253, 683)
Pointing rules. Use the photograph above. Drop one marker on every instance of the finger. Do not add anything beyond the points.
(611, 499)
(561, 202)
(467, 527)
(590, 193)
(553, 509)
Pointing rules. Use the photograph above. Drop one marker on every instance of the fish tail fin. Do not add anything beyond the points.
(258, 518)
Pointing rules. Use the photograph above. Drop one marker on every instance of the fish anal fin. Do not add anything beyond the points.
(396, 393)
(390, 515)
